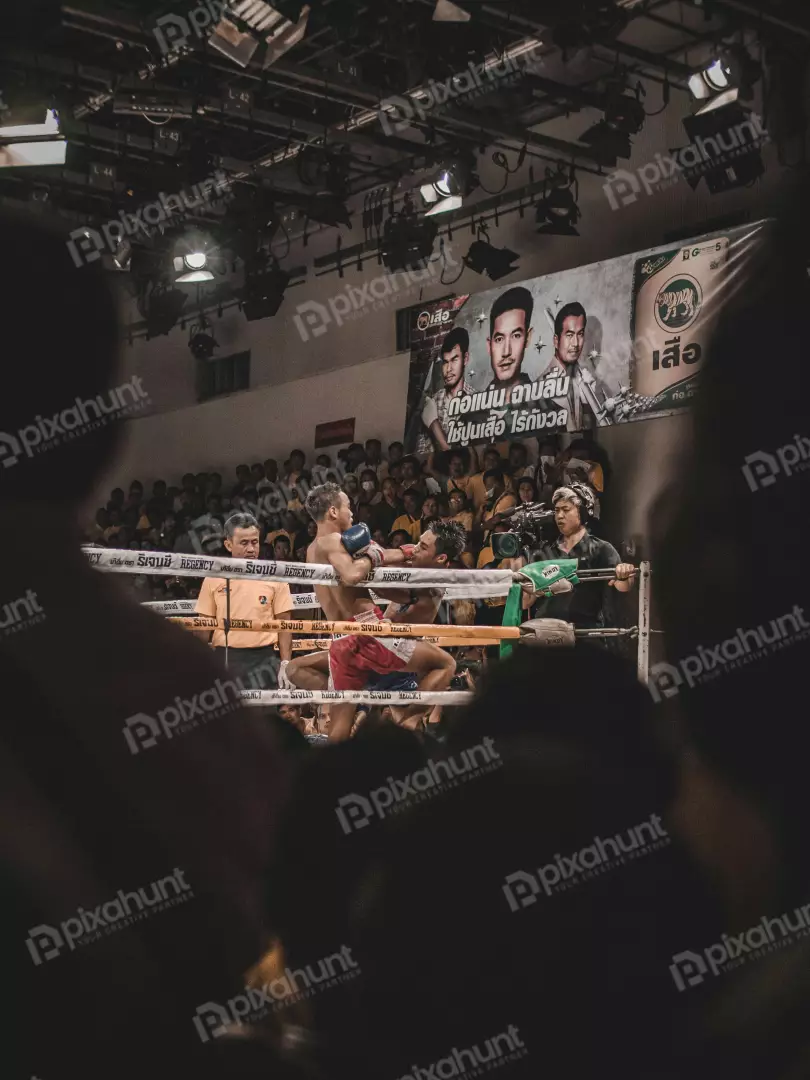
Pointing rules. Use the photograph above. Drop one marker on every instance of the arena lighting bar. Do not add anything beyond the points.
(371, 116)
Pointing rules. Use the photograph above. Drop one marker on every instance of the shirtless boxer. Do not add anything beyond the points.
(440, 545)
(355, 659)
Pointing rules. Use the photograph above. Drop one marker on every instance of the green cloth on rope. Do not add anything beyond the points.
(542, 575)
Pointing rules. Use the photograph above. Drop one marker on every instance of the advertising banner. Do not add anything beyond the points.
(603, 344)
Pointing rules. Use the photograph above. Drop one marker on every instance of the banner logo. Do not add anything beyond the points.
(678, 304)
(425, 319)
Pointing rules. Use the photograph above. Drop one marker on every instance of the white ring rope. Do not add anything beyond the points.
(310, 600)
(124, 561)
(356, 697)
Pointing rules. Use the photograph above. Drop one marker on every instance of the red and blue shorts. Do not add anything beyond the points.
(356, 659)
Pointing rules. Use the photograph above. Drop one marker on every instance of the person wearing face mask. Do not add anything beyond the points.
(369, 488)
(499, 500)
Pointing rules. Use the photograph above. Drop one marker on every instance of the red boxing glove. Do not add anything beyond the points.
(408, 550)
(375, 553)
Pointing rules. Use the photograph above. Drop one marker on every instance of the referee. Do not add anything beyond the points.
(251, 656)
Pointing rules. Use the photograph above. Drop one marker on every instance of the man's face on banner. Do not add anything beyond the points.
(568, 346)
(454, 364)
(507, 346)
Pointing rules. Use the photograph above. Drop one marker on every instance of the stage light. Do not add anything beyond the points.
(191, 268)
(557, 213)
(732, 75)
(248, 23)
(725, 143)
(407, 242)
(624, 116)
(122, 255)
(446, 11)
(496, 263)
(265, 283)
(163, 308)
(452, 182)
(41, 144)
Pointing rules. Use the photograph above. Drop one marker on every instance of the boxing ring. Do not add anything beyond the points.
(457, 585)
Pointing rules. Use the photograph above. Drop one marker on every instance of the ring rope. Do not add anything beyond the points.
(374, 629)
(124, 561)
(357, 697)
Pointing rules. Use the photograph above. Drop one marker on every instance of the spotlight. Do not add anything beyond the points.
(725, 145)
(122, 255)
(248, 23)
(496, 263)
(731, 75)
(407, 242)
(447, 190)
(163, 310)
(624, 116)
(558, 213)
(264, 289)
(202, 346)
(192, 267)
(41, 144)
(446, 11)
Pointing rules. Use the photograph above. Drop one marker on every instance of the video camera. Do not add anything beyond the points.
(531, 525)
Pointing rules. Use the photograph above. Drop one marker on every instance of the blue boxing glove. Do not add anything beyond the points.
(357, 541)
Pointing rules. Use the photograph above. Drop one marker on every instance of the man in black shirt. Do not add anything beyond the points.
(585, 606)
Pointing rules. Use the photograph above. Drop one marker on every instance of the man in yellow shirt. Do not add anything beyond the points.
(411, 521)
(251, 655)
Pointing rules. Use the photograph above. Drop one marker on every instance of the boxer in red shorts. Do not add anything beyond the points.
(354, 659)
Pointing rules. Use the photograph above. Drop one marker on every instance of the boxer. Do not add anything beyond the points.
(440, 545)
(354, 659)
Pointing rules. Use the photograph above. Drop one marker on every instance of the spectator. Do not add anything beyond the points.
(242, 480)
(116, 500)
(547, 474)
(355, 457)
(460, 509)
(499, 499)
(399, 537)
(270, 469)
(430, 511)
(519, 462)
(282, 548)
(395, 472)
(379, 536)
(396, 452)
(256, 475)
(296, 467)
(374, 459)
(112, 530)
(214, 484)
(527, 490)
(369, 488)
(414, 477)
(410, 522)
(101, 524)
(351, 485)
(320, 470)
(477, 489)
(389, 508)
(135, 494)
(458, 469)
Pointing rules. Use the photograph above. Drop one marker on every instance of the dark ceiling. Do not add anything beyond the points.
(309, 123)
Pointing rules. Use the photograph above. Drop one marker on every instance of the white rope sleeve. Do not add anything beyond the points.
(357, 697)
(124, 561)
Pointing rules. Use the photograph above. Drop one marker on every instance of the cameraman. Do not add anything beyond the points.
(585, 605)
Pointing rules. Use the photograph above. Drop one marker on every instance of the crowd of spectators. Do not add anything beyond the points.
(396, 494)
